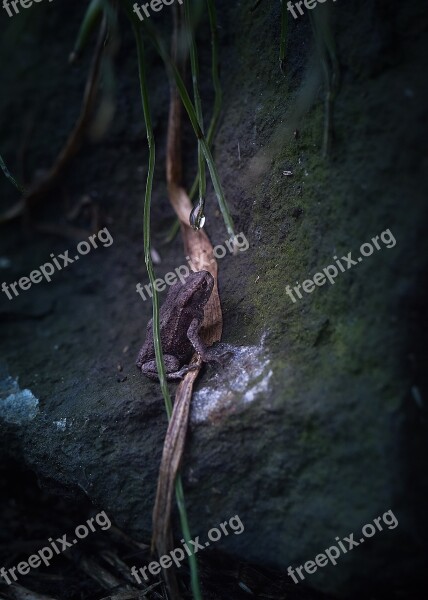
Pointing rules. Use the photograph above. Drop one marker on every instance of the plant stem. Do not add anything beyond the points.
(194, 575)
(218, 100)
(147, 256)
(147, 204)
(187, 103)
(194, 64)
(218, 94)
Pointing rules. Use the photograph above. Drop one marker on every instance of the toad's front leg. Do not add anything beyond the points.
(207, 354)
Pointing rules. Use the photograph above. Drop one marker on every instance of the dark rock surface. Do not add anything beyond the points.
(318, 424)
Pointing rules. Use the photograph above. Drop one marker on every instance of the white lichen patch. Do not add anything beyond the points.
(245, 378)
(16, 405)
(61, 424)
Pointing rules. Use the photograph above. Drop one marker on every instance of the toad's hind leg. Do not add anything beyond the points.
(172, 368)
(150, 370)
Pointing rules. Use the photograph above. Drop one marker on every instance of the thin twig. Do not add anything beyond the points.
(38, 190)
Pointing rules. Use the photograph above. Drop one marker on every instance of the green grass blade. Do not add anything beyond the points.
(187, 103)
(92, 16)
(147, 205)
(156, 333)
(218, 94)
(218, 101)
(194, 65)
(194, 575)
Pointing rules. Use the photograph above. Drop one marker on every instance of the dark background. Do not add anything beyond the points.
(319, 424)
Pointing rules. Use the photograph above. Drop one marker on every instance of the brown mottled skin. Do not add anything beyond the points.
(180, 317)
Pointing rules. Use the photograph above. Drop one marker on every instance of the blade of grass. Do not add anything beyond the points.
(218, 101)
(194, 65)
(147, 205)
(218, 94)
(92, 16)
(187, 103)
(194, 574)
(147, 255)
